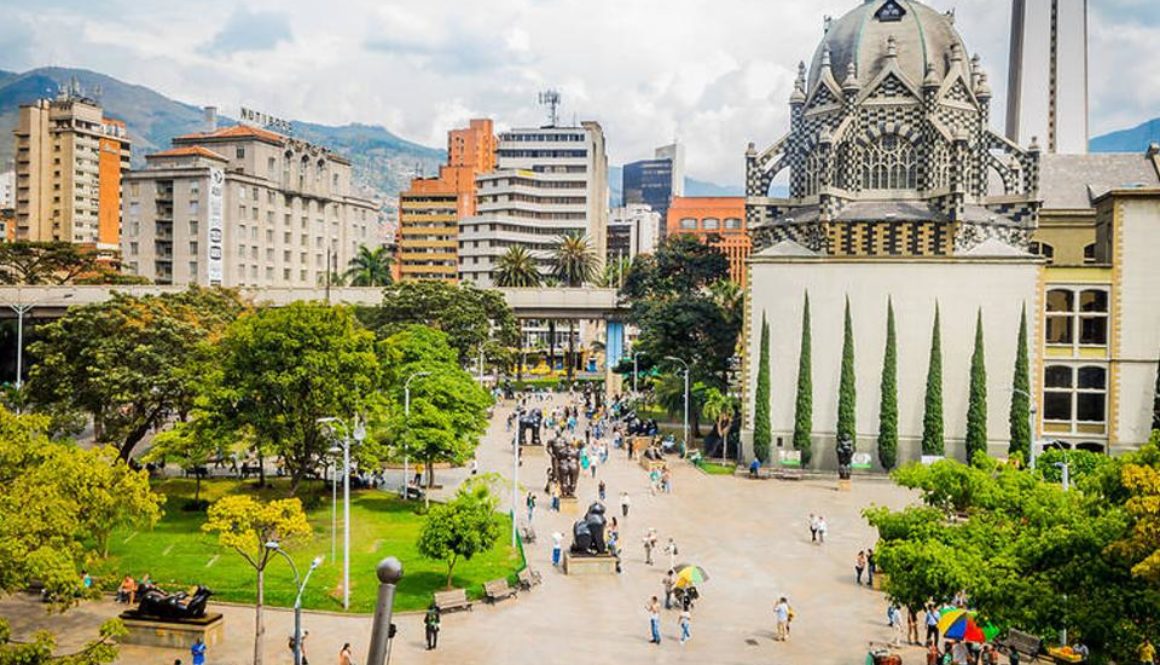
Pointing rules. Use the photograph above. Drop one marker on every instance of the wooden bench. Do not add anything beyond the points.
(1024, 643)
(454, 599)
(497, 590)
(529, 578)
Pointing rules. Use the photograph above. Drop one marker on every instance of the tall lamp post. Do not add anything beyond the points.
(686, 366)
(1030, 425)
(358, 432)
(274, 547)
(22, 308)
(634, 369)
(407, 414)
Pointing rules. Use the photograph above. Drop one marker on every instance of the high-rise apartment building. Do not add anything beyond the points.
(717, 220)
(69, 162)
(654, 182)
(550, 182)
(1047, 95)
(632, 229)
(243, 206)
(7, 189)
(429, 212)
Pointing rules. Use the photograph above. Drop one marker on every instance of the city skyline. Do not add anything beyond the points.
(713, 77)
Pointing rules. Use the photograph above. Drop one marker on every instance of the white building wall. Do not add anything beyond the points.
(1052, 110)
(1071, 104)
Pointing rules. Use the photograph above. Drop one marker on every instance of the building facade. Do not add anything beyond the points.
(632, 229)
(69, 163)
(550, 182)
(902, 198)
(243, 206)
(717, 220)
(654, 182)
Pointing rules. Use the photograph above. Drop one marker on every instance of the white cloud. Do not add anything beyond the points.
(716, 74)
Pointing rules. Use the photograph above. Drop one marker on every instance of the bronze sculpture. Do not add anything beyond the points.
(845, 457)
(161, 605)
(565, 466)
(588, 533)
(530, 420)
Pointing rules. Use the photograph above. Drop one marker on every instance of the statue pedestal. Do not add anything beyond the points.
(173, 633)
(844, 485)
(649, 464)
(602, 564)
(533, 451)
(570, 505)
(639, 444)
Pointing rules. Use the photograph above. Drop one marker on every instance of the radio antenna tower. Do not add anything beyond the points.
(551, 99)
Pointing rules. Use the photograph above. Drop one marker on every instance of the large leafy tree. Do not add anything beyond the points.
(517, 268)
(1136, 479)
(803, 417)
(130, 363)
(46, 262)
(932, 417)
(473, 318)
(888, 405)
(461, 528)
(246, 525)
(1020, 415)
(847, 389)
(977, 401)
(762, 428)
(278, 371)
(369, 267)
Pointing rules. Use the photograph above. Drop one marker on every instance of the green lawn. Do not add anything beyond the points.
(714, 469)
(176, 553)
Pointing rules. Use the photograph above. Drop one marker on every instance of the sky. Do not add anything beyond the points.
(714, 74)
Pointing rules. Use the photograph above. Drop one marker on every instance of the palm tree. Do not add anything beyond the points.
(517, 269)
(614, 273)
(576, 263)
(719, 407)
(370, 267)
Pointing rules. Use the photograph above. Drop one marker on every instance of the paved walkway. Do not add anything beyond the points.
(751, 536)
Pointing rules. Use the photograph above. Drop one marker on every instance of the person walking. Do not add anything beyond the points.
(669, 581)
(650, 541)
(671, 550)
(931, 620)
(431, 626)
(302, 648)
(531, 503)
(600, 489)
(813, 528)
(654, 620)
(345, 656)
(557, 545)
(554, 492)
(822, 528)
(870, 568)
(859, 566)
(781, 613)
(912, 626)
(198, 652)
(685, 624)
(624, 504)
(894, 620)
(1146, 653)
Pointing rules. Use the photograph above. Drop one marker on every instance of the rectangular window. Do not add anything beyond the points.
(194, 207)
(240, 152)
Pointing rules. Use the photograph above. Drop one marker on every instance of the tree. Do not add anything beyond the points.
(369, 267)
(131, 363)
(1136, 479)
(576, 264)
(803, 417)
(847, 390)
(888, 406)
(615, 273)
(932, 418)
(517, 269)
(42, 649)
(762, 429)
(279, 370)
(977, 403)
(473, 318)
(465, 526)
(1020, 414)
(720, 408)
(246, 525)
(46, 262)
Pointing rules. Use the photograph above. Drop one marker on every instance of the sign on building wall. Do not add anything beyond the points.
(216, 203)
(252, 117)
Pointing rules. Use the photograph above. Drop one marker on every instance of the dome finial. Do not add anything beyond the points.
(826, 56)
(891, 47)
(956, 54)
(851, 82)
(827, 21)
(931, 79)
(982, 88)
(798, 96)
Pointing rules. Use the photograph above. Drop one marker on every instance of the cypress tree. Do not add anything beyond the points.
(932, 417)
(847, 390)
(804, 409)
(1020, 396)
(977, 404)
(762, 432)
(888, 407)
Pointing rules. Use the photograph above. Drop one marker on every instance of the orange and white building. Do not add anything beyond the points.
(717, 220)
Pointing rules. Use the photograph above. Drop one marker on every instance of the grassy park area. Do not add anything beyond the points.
(177, 554)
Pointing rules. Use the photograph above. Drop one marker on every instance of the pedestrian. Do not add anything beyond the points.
(667, 481)
(932, 653)
(822, 528)
(669, 580)
(650, 541)
(431, 626)
(931, 624)
(198, 652)
(474, 467)
(345, 657)
(813, 528)
(912, 626)
(600, 490)
(301, 649)
(557, 544)
(654, 620)
(671, 550)
(685, 623)
(554, 492)
(859, 566)
(1146, 653)
(624, 503)
(531, 502)
(781, 613)
(870, 568)
(894, 620)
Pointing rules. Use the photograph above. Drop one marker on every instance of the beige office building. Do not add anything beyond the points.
(243, 206)
(69, 163)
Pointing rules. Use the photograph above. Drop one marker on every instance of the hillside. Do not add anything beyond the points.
(1136, 139)
(383, 163)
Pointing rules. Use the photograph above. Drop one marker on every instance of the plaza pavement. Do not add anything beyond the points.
(751, 537)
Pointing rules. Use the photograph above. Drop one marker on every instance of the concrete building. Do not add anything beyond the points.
(654, 182)
(901, 193)
(632, 229)
(8, 189)
(69, 163)
(1047, 92)
(550, 182)
(243, 206)
(430, 210)
(717, 220)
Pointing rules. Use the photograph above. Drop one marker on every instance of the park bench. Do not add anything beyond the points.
(497, 590)
(529, 578)
(527, 533)
(1024, 643)
(789, 473)
(454, 599)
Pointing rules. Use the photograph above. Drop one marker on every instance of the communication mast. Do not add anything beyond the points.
(551, 99)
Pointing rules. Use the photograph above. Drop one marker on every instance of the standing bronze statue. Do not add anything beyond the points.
(565, 466)
(530, 420)
(845, 457)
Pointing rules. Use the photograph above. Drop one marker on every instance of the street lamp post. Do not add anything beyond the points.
(407, 414)
(686, 366)
(389, 572)
(333, 509)
(634, 369)
(515, 483)
(301, 586)
(359, 434)
(21, 309)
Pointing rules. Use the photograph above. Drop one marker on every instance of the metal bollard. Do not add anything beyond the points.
(390, 571)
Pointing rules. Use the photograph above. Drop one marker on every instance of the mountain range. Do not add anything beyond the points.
(1136, 139)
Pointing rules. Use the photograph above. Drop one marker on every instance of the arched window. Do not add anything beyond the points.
(1043, 249)
(710, 224)
(1089, 253)
(890, 162)
(813, 166)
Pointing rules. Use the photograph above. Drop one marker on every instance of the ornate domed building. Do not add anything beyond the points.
(902, 199)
